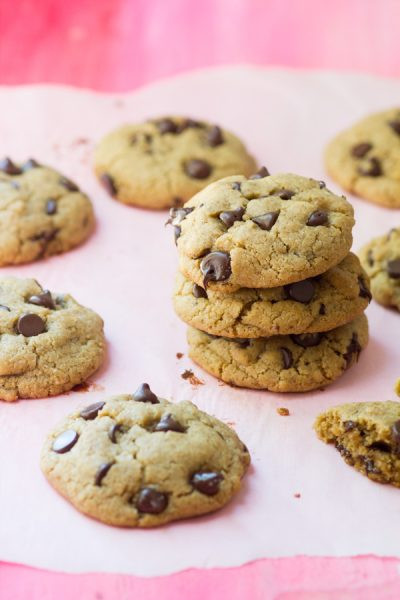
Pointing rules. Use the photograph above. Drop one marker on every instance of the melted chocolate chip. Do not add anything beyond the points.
(364, 290)
(207, 482)
(287, 358)
(349, 425)
(102, 472)
(198, 291)
(68, 184)
(228, 217)
(144, 394)
(151, 501)
(215, 137)
(177, 233)
(318, 217)
(267, 220)
(51, 206)
(286, 194)
(198, 169)
(236, 185)
(108, 183)
(360, 150)
(112, 433)
(30, 325)
(261, 173)
(65, 441)
(393, 268)
(168, 423)
(166, 126)
(301, 291)
(307, 340)
(89, 413)
(44, 299)
(353, 348)
(395, 435)
(7, 166)
(395, 125)
(216, 266)
(31, 163)
(373, 169)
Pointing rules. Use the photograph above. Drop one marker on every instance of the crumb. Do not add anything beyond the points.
(284, 412)
(179, 355)
(88, 386)
(397, 387)
(193, 380)
(297, 495)
(80, 141)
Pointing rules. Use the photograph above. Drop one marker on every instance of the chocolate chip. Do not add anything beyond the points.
(318, 217)
(198, 291)
(301, 291)
(267, 220)
(228, 217)
(166, 126)
(30, 325)
(177, 233)
(353, 348)
(7, 166)
(236, 185)
(206, 482)
(322, 309)
(261, 173)
(108, 183)
(287, 358)
(344, 452)
(215, 137)
(189, 123)
(177, 201)
(168, 423)
(65, 441)
(151, 501)
(44, 299)
(112, 433)
(178, 214)
(373, 169)
(381, 446)
(51, 206)
(102, 472)
(198, 169)
(31, 163)
(322, 185)
(360, 150)
(89, 413)
(144, 394)
(395, 435)
(307, 340)
(286, 194)
(395, 125)
(68, 184)
(216, 266)
(242, 342)
(364, 290)
(2, 307)
(370, 257)
(45, 236)
(349, 425)
(393, 268)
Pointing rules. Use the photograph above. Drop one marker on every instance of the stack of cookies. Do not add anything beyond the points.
(273, 297)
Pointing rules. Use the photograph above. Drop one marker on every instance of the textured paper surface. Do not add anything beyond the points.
(125, 272)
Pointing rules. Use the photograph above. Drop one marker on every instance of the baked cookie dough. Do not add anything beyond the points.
(41, 212)
(365, 159)
(48, 342)
(367, 435)
(261, 232)
(381, 260)
(295, 363)
(317, 304)
(163, 162)
(140, 461)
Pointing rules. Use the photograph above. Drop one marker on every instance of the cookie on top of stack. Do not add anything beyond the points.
(272, 295)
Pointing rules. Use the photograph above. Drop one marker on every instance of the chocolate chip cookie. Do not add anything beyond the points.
(381, 259)
(48, 342)
(261, 232)
(365, 159)
(140, 461)
(313, 305)
(41, 212)
(295, 363)
(367, 435)
(163, 162)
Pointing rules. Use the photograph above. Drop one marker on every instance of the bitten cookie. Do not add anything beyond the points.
(140, 461)
(163, 162)
(48, 342)
(367, 435)
(381, 259)
(365, 159)
(41, 213)
(295, 363)
(261, 232)
(317, 304)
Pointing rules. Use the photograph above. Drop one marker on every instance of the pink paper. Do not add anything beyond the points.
(125, 272)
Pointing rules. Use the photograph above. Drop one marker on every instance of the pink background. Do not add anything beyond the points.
(117, 45)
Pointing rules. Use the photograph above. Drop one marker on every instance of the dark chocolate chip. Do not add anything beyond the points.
(287, 358)
(102, 472)
(51, 206)
(216, 266)
(168, 423)
(89, 413)
(364, 290)
(286, 194)
(7, 166)
(393, 268)
(381, 446)
(198, 291)
(177, 233)
(353, 348)
(301, 291)
(318, 217)
(360, 150)
(30, 325)
(228, 217)
(65, 441)
(307, 340)
(322, 309)
(31, 163)
(112, 433)
(2, 307)
(198, 169)
(108, 183)
(349, 425)
(214, 136)
(151, 501)
(44, 299)
(322, 185)
(68, 184)
(144, 394)
(373, 169)
(178, 214)
(267, 220)
(395, 125)
(166, 126)
(370, 257)
(207, 482)
(45, 236)
(395, 435)
(261, 173)
(236, 185)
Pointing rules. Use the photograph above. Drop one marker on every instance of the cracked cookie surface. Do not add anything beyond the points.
(41, 213)
(314, 305)
(261, 232)
(164, 162)
(144, 462)
(367, 435)
(381, 260)
(296, 363)
(48, 342)
(365, 159)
